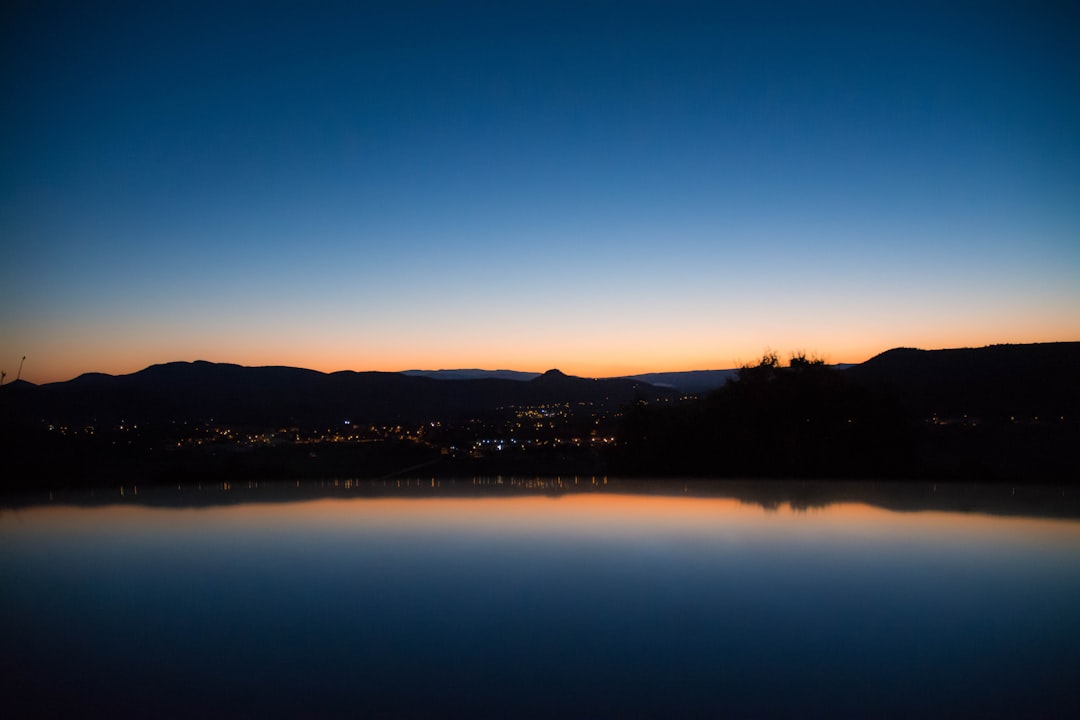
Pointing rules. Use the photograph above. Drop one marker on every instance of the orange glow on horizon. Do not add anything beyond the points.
(59, 363)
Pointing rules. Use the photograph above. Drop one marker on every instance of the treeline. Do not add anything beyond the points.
(803, 419)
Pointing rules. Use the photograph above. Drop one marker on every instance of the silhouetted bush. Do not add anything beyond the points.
(804, 419)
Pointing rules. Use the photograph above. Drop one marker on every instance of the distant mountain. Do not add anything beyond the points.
(995, 382)
(1038, 380)
(472, 374)
(201, 391)
(692, 381)
(1002, 412)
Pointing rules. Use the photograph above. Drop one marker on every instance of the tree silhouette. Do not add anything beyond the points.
(803, 419)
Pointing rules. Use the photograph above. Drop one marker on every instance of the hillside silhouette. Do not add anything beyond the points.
(176, 421)
(1007, 413)
(270, 396)
(1003, 413)
(800, 420)
(995, 383)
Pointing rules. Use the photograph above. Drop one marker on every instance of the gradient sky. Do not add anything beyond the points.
(603, 187)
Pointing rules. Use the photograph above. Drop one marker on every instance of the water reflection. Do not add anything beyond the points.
(504, 598)
(996, 499)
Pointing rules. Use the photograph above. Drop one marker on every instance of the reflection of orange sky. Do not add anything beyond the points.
(572, 515)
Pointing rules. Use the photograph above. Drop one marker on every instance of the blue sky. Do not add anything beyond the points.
(602, 187)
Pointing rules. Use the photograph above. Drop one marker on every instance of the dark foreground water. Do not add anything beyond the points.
(631, 601)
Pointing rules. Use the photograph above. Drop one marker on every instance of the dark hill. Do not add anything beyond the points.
(1000, 382)
(1004, 412)
(202, 391)
(691, 381)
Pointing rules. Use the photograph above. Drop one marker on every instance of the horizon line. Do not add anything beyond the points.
(532, 372)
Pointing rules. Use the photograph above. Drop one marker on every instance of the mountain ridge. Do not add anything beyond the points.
(991, 380)
(1004, 381)
(1001, 412)
(269, 395)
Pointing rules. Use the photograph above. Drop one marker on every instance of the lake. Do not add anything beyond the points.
(567, 597)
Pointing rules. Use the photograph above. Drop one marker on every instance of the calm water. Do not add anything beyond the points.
(630, 601)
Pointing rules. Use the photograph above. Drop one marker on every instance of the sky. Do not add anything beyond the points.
(603, 187)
